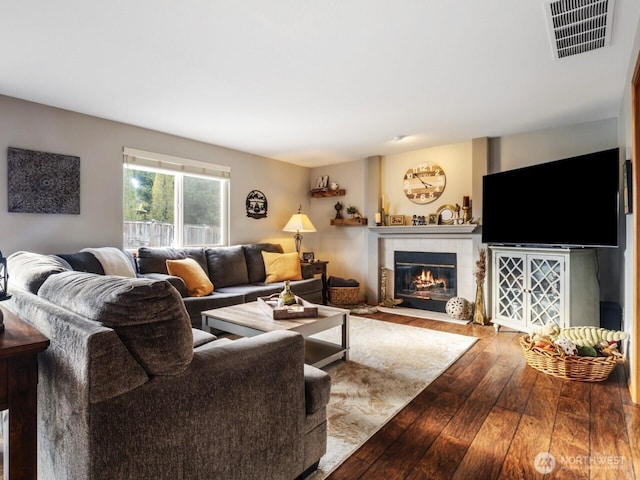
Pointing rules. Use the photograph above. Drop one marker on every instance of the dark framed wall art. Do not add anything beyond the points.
(41, 182)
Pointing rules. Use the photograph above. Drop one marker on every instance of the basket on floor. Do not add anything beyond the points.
(344, 295)
(569, 367)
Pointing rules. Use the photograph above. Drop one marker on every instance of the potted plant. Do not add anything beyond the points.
(352, 210)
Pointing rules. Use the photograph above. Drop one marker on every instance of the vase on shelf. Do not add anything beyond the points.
(479, 316)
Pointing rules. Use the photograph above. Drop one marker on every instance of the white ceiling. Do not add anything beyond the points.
(311, 82)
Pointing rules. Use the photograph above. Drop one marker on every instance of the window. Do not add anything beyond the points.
(170, 201)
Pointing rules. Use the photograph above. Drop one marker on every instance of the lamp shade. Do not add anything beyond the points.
(299, 222)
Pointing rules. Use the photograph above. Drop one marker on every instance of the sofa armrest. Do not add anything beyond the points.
(317, 388)
(177, 282)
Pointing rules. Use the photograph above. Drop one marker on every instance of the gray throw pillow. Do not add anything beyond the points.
(28, 270)
(148, 315)
(255, 262)
(227, 266)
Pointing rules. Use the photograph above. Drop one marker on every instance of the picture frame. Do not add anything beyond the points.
(627, 186)
(433, 219)
(308, 256)
(396, 220)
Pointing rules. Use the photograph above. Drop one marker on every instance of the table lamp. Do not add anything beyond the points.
(299, 222)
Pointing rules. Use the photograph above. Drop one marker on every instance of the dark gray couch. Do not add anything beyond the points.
(237, 273)
(127, 389)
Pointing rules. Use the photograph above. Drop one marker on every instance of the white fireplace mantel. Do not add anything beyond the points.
(425, 229)
(463, 240)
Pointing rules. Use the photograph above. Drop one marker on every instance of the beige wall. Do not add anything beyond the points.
(99, 144)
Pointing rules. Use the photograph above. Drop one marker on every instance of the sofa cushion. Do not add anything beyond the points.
(195, 278)
(154, 259)
(255, 262)
(227, 266)
(83, 262)
(28, 270)
(281, 266)
(148, 316)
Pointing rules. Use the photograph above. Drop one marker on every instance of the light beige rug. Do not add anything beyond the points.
(389, 365)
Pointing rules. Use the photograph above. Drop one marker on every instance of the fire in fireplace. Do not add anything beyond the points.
(425, 280)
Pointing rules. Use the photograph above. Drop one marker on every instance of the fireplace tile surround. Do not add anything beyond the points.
(459, 239)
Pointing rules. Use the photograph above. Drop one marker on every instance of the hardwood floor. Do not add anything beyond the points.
(490, 414)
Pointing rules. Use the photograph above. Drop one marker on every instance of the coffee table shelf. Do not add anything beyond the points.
(248, 320)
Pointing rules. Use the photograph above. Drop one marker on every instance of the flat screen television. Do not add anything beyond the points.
(571, 202)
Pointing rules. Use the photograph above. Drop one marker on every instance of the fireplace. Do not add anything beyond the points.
(425, 280)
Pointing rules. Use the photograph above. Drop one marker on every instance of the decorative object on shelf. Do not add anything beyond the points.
(424, 183)
(338, 206)
(378, 219)
(433, 219)
(299, 222)
(334, 186)
(322, 184)
(308, 256)
(4, 277)
(466, 210)
(256, 204)
(418, 220)
(459, 308)
(41, 182)
(446, 214)
(352, 210)
(627, 186)
(395, 220)
(479, 315)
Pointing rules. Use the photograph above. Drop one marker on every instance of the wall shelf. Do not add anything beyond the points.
(341, 192)
(349, 222)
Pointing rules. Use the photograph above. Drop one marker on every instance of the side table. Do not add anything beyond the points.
(320, 268)
(19, 347)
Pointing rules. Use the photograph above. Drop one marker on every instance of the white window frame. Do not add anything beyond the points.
(179, 167)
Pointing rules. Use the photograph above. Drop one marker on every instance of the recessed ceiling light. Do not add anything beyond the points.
(397, 138)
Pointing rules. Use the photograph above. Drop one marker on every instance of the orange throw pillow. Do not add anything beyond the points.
(281, 266)
(197, 282)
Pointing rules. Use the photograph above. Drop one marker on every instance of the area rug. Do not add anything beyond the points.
(389, 364)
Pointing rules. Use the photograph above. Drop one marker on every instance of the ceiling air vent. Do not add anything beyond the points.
(578, 26)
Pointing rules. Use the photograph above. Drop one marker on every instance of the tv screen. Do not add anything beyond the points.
(571, 202)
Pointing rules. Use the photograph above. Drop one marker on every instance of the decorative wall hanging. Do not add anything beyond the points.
(40, 182)
(256, 204)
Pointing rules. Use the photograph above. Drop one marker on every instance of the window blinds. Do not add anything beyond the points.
(134, 157)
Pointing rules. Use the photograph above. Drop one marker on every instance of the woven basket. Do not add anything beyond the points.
(569, 367)
(344, 295)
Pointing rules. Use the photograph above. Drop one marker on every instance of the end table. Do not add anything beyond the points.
(319, 267)
(19, 347)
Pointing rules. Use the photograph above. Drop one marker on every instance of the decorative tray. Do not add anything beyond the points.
(300, 309)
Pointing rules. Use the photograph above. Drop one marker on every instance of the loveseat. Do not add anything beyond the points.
(127, 389)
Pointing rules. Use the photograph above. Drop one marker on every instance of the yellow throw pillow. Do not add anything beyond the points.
(281, 266)
(195, 278)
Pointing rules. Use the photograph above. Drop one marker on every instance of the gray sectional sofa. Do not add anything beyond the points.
(128, 389)
(237, 272)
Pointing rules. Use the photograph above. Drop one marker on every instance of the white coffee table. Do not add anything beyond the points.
(247, 320)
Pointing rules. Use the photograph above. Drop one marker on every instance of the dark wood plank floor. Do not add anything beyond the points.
(490, 414)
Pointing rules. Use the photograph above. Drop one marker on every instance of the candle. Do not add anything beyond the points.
(465, 201)
(378, 218)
